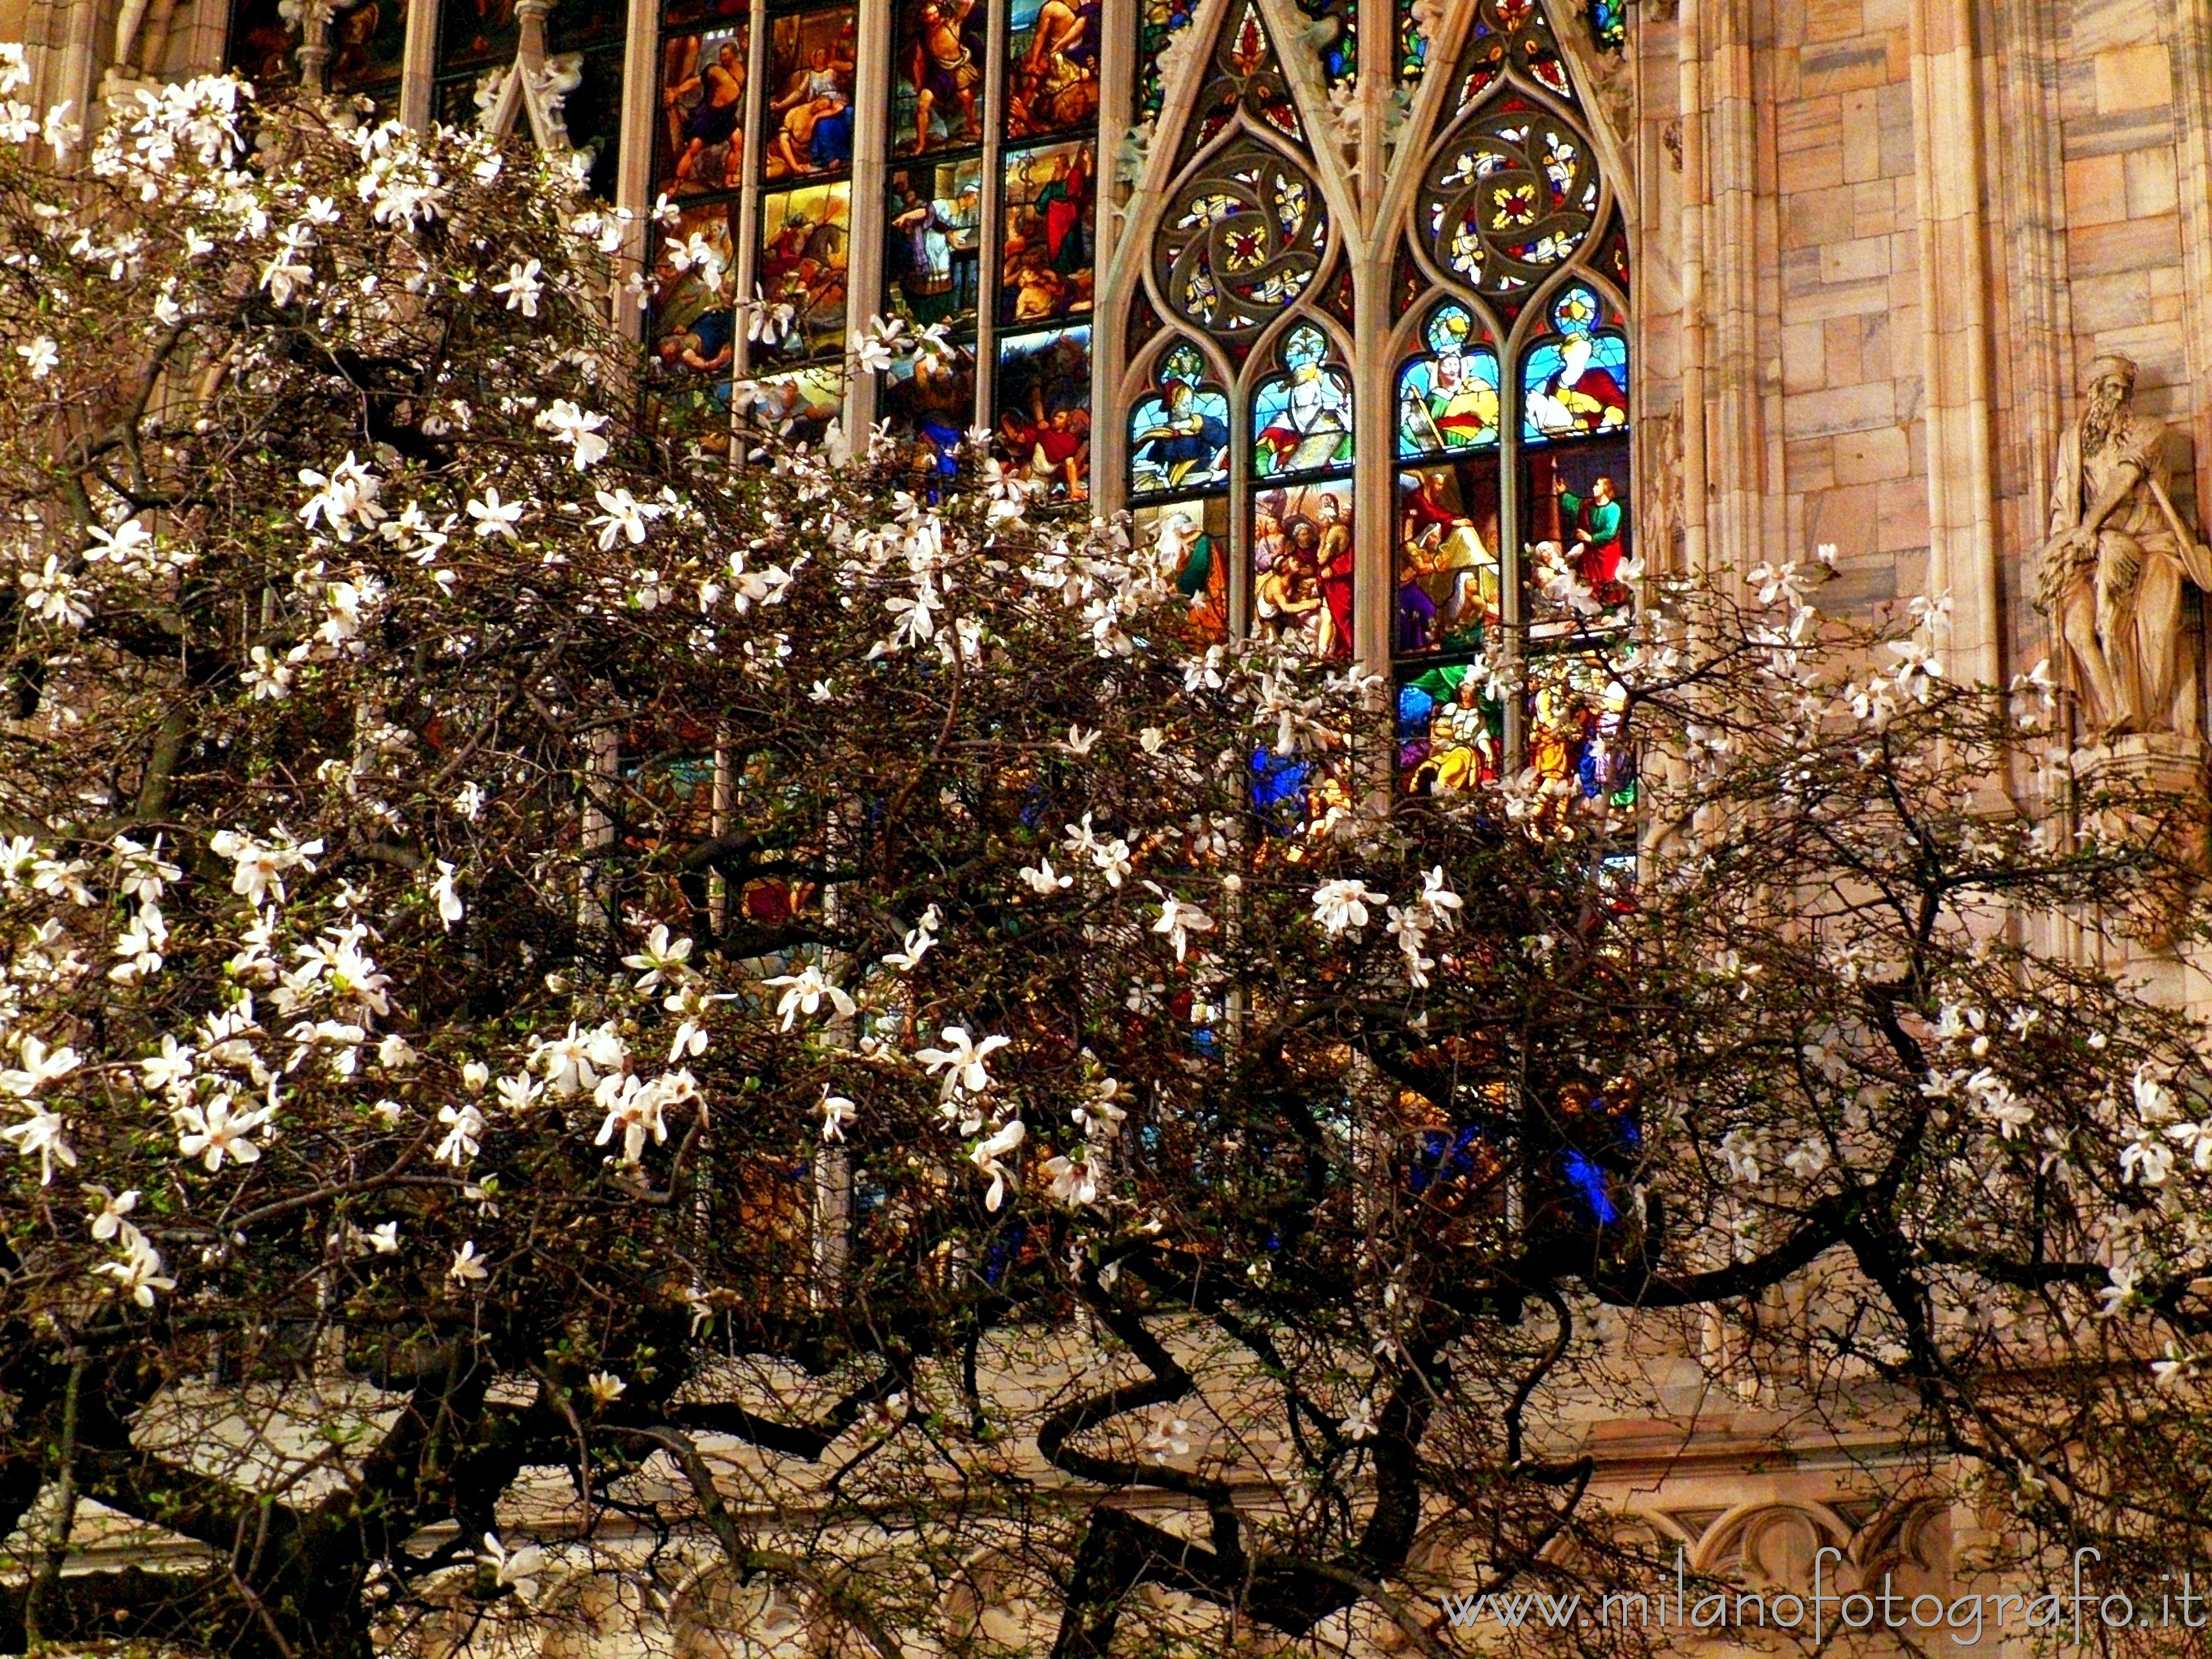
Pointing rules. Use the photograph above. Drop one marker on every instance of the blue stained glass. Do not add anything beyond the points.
(1448, 397)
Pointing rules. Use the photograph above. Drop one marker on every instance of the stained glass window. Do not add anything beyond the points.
(1608, 21)
(1302, 452)
(1179, 436)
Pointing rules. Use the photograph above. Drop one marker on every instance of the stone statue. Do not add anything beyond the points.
(141, 36)
(2114, 567)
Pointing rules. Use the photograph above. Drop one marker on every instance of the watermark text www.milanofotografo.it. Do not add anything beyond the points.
(2074, 1614)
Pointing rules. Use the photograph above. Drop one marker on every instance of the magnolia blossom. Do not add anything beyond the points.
(464, 1124)
(1072, 1180)
(1043, 879)
(42, 354)
(576, 1061)
(1340, 907)
(522, 287)
(39, 1066)
(1358, 1424)
(661, 958)
(836, 1112)
(261, 867)
(578, 428)
(138, 1276)
(220, 1130)
(442, 894)
(495, 517)
(41, 1135)
(987, 1152)
(1179, 919)
(805, 992)
(636, 1109)
(467, 1267)
(1169, 1439)
(517, 1571)
(962, 1060)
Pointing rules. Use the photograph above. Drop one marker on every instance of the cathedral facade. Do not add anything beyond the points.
(1411, 322)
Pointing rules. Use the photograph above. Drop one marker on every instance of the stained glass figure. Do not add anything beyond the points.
(933, 236)
(1581, 534)
(937, 76)
(368, 45)
(1045, 241)
(1448, 395)
(264, 39)
(805, 237)
(1448, 567)
(1451, 729)
(691, 324)
(1052, 66)
(700, 146)
(1303, 561)
(800, 404)
(806, 119)
(1241, 240)
(1575, 381)
(1043, 399)
(1413, 45)
(1192, 540)
(928, 401)
(1179, 434)
(1302, 418)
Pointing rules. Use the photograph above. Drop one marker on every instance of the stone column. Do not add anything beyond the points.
(1954, 285)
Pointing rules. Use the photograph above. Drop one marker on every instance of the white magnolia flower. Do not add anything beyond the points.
(470, 802)
(464, 1125)
(384, 1238)
(42, 1135)
(1169, 1439)
(1079, 741)
(42, 356)
(805, 992)
(517, 1572)
(1073, 1181)
(521, 287)
(1042, 879)
(139, 1274)
(635, 1110)
(442, 894)
(1437, 898)
(578, 428)
(1179, 921)
(987, 1152)
(468, 1266)
(620, 516)
(1099, 1114)
(661, 958)
(220, 1130)
(2179, 1366)
(962, 1060)
(605, 1388)
(1742, 1152)
(836, 1112)
(39, 1066)
(1340, 907)
(261, 868)
(110, 1222)
(1359, 1422)
(494, 517)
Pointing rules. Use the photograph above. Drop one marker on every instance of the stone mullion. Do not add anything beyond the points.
(745, 256)
(418, 65)
(1955, 280)
(864, 274)
(1109, 436)
(641, 111)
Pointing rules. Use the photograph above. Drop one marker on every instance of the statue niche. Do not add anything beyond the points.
(2115, 565)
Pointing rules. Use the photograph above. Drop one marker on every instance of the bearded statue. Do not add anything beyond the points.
(2114, 567)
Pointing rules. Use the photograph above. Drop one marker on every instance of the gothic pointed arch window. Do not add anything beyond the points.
(1514, 412)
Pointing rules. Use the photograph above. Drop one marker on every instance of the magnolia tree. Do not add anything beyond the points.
(594, 1037)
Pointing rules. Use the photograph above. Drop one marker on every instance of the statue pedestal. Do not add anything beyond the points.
(2153, 786)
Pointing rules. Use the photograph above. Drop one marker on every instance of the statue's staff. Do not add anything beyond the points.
(2195, 557)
